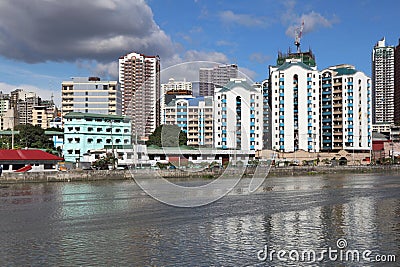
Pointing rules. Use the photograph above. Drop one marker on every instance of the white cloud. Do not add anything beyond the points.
(247, 20)
(312, 20)
(187, 66)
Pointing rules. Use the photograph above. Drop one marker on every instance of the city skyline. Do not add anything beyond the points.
(41, 50)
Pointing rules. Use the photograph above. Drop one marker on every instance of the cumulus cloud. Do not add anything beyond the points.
(187, 66)
(94, 34)
(312, 20)
(53, 30)
(229, 17)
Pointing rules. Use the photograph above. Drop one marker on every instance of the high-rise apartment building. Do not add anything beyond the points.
(42, 115)
(91, 95)
(139, 76)
(238, 116)
(4, 103)
(383, 83)
(266, 116)
(397, 84)
(211, 79)
(23, 103)
(346, 109)
(294, 101)
(194, 116)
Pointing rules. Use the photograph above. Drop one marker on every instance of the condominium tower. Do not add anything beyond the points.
(139, 76)
(194, 116)
(238, 116)
(23, 102)
(383, 83)
(294, 101)
(346, 109)
(211, 79)
(397, 84)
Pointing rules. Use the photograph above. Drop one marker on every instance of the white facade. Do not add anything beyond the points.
(139, 76)
(172, 89)
(346, 109)
(383, 82)
(176, 86)
(238, 116)
(295, 108)
(194, 116)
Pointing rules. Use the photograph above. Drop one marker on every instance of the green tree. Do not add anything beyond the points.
(167, 136)
(5, 142)
(32, 137)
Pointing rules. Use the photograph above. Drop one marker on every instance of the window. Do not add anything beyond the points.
(99, 141)
(90, 129)
(90, 140)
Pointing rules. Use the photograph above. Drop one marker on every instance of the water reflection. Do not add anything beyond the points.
(117, 224)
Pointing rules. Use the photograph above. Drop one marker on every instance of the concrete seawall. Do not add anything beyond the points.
(65, 176)
(98, 175)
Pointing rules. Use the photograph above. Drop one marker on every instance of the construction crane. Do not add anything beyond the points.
(298, 32)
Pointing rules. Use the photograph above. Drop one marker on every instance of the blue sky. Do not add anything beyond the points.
(43, 42)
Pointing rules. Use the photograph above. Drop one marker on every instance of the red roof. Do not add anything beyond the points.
(26, 155)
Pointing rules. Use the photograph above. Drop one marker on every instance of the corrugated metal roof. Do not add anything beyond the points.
(26, 155)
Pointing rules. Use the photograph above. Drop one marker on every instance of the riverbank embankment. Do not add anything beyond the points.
(100, 175)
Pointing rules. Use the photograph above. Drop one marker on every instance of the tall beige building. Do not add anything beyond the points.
(139, 76)
(42, 115)
(8, 120)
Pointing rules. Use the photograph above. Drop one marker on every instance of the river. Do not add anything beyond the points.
(117, 224)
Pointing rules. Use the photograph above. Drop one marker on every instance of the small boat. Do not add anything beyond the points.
(25, 168)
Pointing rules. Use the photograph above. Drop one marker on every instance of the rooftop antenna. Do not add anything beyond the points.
(298, 32)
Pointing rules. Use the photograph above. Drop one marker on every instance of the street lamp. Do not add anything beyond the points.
(392, 145)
